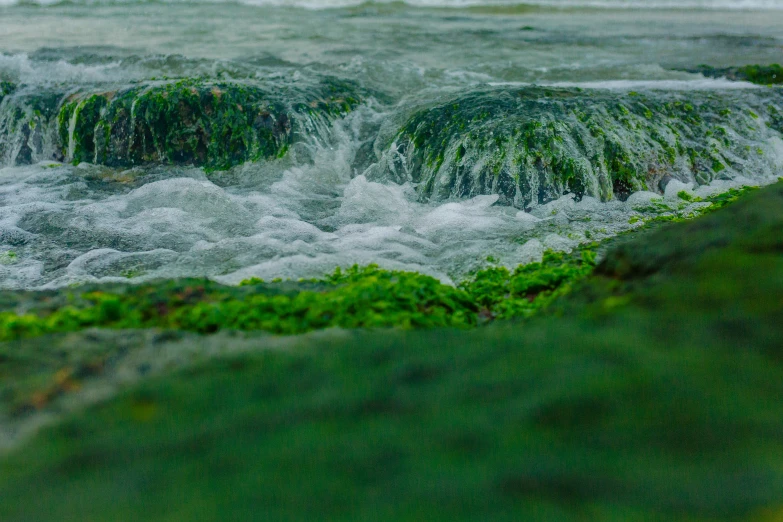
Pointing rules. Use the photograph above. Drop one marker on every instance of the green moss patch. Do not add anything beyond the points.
(6, 88)
(365, 297)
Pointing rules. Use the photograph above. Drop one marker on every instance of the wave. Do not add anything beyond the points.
(338, 4)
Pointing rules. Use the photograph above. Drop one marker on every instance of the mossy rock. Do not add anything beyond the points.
(534, 144)
(360, 297)
(758, 74)
(653, 396)
(212, 124)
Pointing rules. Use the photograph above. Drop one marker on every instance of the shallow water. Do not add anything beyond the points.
(332, 200)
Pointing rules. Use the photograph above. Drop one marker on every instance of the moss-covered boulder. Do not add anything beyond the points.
(758, 74)
(534, 144)
(211, 124)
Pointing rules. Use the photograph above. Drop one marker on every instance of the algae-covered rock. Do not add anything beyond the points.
(211, 124)
(758, 74)
(534, 144)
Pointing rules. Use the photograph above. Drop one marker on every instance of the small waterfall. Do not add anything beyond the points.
(27, 124)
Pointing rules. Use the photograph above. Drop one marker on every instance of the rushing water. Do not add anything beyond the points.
(353, 187)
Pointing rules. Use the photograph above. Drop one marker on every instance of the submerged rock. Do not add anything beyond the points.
(758, 74)
(533, 144)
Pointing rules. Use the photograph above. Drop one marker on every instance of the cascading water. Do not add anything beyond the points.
(364, 136)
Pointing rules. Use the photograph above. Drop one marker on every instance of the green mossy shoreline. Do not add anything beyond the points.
(651, 393)
(364, 297)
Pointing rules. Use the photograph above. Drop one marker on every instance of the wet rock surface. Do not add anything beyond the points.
(532, 145)
(209, 124)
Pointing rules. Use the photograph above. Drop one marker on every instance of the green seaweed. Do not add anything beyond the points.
(6, 88)
(525, 291)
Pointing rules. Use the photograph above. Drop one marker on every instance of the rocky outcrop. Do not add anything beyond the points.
(209, 124)
(758, 74)
(214, 125)
(533, 144)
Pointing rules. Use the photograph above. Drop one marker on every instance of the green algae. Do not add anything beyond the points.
(653, 396)
(534, 144)
(360, 297)
(190, 122)
(6, 88)
(529, 289)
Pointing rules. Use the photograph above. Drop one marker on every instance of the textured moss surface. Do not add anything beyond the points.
(653, 396)
(357, 298)
(211, 124)
(535, 144)
(6, 88)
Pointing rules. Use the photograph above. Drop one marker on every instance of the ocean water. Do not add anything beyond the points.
(354, 188)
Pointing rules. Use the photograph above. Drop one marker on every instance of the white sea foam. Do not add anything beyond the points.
(20, 68)
(188, 226)
(697, 84)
